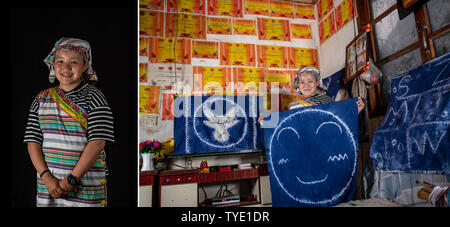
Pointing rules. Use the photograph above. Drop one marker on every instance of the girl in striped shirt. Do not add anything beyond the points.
(310, 91)
(67, 129)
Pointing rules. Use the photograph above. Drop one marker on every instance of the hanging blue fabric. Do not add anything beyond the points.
(206, 124)
(414, 136)
(312, 154)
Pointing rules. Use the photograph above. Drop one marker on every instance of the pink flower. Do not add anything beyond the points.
(157, 145)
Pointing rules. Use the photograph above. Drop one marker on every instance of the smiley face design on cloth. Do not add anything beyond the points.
(312, 156)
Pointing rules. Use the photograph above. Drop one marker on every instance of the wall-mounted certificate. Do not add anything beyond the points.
(168, 50)
(220, 26)
(256, 7)
(149, 99)
(244, 27)
(205, 49)
(186, 6)
(273, 56)
(301, 31)
(212, 80)
(167, 106)
(143, 46)
(183, 25)
(237, 54)
(301, 57)
(282, 77)
(304, 11)
(356, 56)
(151, 23)
(344, 13)
(281, 9)
(324, 7)
(152, 4)
(231, 8)
(143, 70)
(327, 28)
(273, 29)
(247, 80)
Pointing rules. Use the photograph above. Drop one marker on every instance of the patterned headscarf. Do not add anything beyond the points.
(316, 73)
(80, 47)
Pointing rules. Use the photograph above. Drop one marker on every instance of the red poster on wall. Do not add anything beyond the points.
(248, 80)
(304, 11)
(152, 4)
(281, 9)
(301, 57)
(231, 8)
(205, 49)
(215, 80)
(244, 27)
(256, 7)
(273, 56)
(237, 54)
(324, 7)
(301, 31)
(167, 106)
(220, 26)
(344, 13)
(273, 29)
(168, 50)
(186, 6)
(327, 28)
(183, 25)
(143, 46)
(151, 23)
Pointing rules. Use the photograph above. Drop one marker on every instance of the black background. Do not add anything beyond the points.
(112, 34)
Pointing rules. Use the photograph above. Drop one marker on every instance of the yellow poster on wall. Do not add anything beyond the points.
(304, 11)
(231, 8)
(183, 25)
(327, 28)
(256, 7)
(324, 7)
(151, 23)
(279, 78)
(272, 56)
(152, 4)
(143, 69)
(186, 6)
(344, 13)
(212, 80)
(281, 9)
(205, 49)
(273, 29)
(237, 54)
(149, 99)
(248, 80)
(301, 31)
(301, 57)
(244, 27)
(143, 46)
(220, 26)
(168, 50)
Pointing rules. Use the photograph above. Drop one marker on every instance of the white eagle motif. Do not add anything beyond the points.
(221, 124)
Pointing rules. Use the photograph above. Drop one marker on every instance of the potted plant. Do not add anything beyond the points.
(148, 149)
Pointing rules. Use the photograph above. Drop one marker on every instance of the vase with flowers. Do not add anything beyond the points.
(148, 149)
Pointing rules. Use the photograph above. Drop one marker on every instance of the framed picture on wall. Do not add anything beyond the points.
(356, 56)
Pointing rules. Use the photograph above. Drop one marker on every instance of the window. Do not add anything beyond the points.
(401, 45)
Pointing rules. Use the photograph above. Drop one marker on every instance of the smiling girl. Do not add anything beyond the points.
(68, 127)
(310, 91)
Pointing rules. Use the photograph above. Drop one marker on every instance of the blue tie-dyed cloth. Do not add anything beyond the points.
(205, 124)
(312, 154)
(414, 134)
